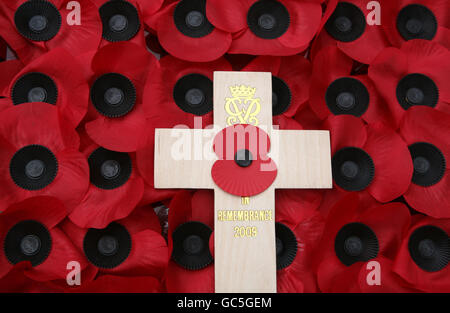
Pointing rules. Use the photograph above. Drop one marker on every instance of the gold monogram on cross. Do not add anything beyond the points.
(242, 107)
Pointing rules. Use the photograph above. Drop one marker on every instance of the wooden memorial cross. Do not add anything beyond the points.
(245, 255)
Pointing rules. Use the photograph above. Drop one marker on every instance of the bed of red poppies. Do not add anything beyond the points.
(80, 100)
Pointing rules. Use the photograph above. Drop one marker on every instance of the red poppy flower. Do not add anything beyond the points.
(368, 157)
(290, 81)
(120, 284)
(191, 220)
(307, 118)
(242, 150)
(45, 80)
(9, 69)
(114, 191)
(416, 19)
(29, 233)
(296, 205)
(344, 26)
(296, 241)
(116, 117)
(424, 255)
(184, 30)
(336, 91)
(427, 133)
(263, 27)
(416, 74)
(351, 239)
(17, 282)
(34, 28)
(124, 21)
(39, 156)
(131, 247)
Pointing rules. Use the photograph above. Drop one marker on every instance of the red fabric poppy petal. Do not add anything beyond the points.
(148, 256)
(433, 200)
(78, 38)
(264, 64)
(392, 160)
(121, 284)
(203, 207)
(123, 134)
(305, 17)
(390, 222)
(328, 65)
(284, 122)
(345, 131)
(288, 283)
(9, 70)
(390, 282)
(55, 266)
(307, 118)
(100, 207)
(204, 49)
(293, 206)
(180, 210)
(180, 280)
(333, 276)
(142, 218)
(230, 16)
(15, 281)
(415, 127)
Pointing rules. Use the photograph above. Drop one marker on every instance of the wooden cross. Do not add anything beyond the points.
(245, 254)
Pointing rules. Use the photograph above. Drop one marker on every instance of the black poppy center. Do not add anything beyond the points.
(281, 96)
(195, 19)
(286, 245)
(108, 247)
(353, 246)
(417, 89)
(27, 240)
(356, 242)
(429, 247)
(109, 169)
(347, 95)
(193, 244)
(416, 21)
(353, 169)
(120, 21)
(194, 97)
(243, 158)
(193, 93)
(34, 87)
(33, 167)
(113, 95)
(347, 23)
(30, 245)
(268, 19)
(190, 18)
(37, 23)
(349, 169)
(429, 163)
(38, 20)
(190, 245)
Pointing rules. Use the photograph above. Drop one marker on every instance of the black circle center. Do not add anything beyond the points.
(414, 95)
(279, 246)
(114, 96)
(243, 158)
(427, 248)
(34, 169)
(194, 97)
(195, 19)
(353, 246)
(349, 169)
(108, 245)
(30, 245)
(193, 245)
(421, 165)
(37, 94)
(414, 26)
(37, 23)
(267, 21)
(110, 169)
(345, 101)
(118, 23)
(343, 24)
